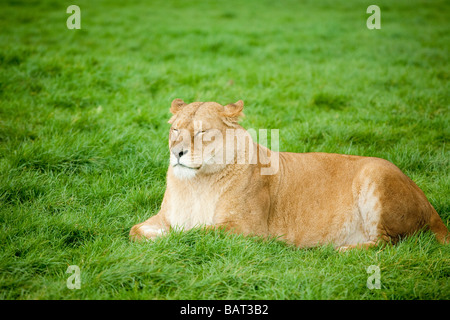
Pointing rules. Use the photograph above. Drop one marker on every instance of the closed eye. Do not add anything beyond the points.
(200, 132)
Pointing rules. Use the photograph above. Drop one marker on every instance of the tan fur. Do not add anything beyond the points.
(312, 199)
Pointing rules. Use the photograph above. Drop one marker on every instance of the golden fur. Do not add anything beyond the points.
(309, 199)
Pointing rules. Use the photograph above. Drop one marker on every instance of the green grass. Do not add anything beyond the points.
(83, 139)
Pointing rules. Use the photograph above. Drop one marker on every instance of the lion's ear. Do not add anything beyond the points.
(176, 105)
(232, 112)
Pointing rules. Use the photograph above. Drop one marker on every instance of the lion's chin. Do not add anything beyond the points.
(183, 172)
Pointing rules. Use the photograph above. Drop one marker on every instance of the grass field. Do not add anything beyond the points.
(83, 139)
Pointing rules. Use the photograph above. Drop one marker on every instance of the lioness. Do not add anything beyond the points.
(305, 199)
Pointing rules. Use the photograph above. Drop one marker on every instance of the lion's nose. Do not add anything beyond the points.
(180, 153)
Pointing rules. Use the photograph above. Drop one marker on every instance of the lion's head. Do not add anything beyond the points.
(197, 138)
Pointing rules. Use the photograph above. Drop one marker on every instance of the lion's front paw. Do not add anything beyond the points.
(144, 231)
(135, 233)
